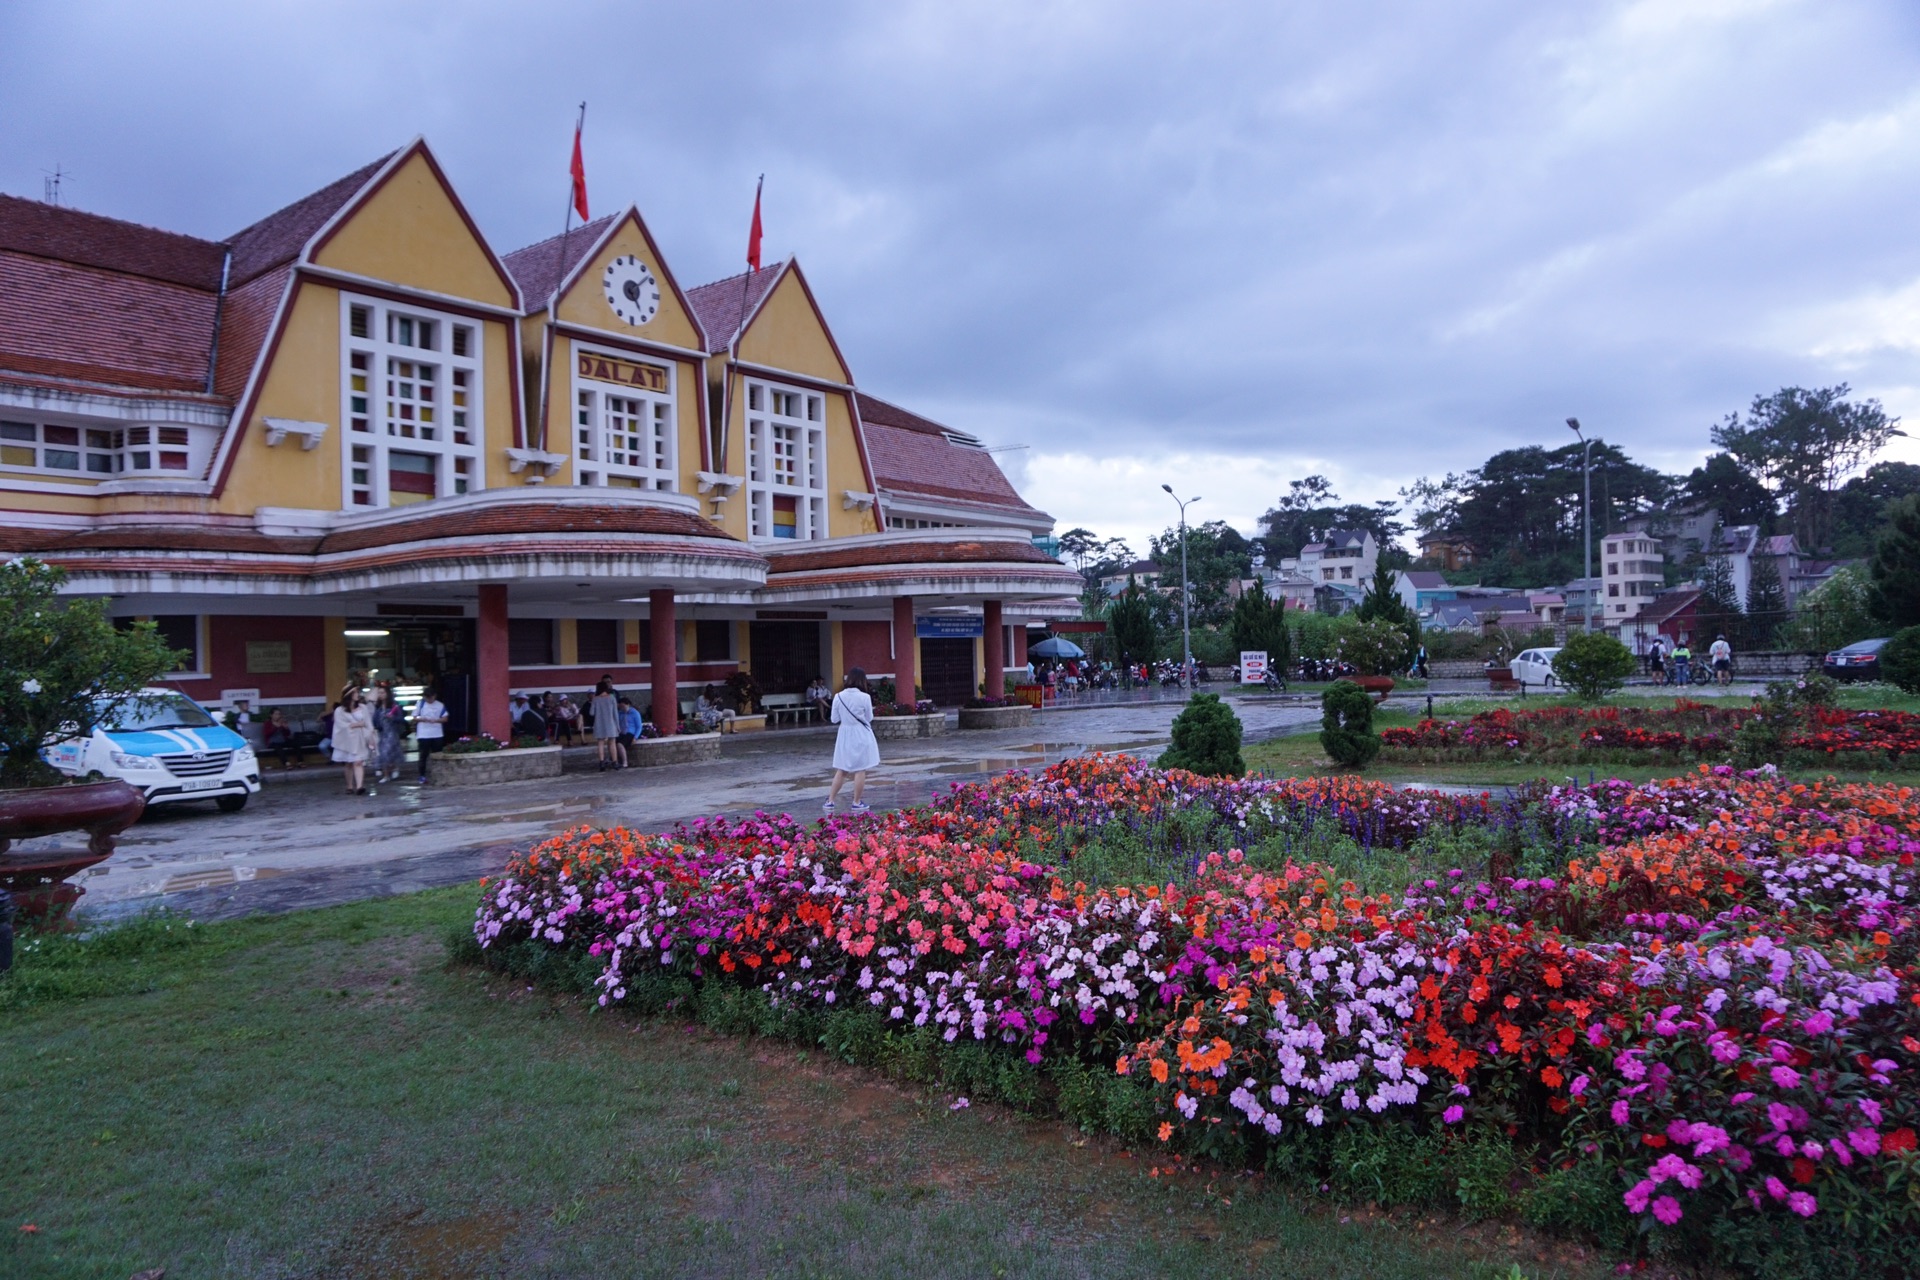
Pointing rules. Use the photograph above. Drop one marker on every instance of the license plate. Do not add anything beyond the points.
(201, 784)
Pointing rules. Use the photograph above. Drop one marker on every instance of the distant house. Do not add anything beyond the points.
(1580, 595)
(1670, 615)
(1144, 572)
(1635, 572)
(1469, 613)
(1291, 585)
(1549, 606)
(1421, 589)
(1740, 545)
(1447, 549)
(1682, 532)
(1347, 556)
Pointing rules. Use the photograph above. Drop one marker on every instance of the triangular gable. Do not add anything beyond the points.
(583, 302)
(786, 330)
(407, 226)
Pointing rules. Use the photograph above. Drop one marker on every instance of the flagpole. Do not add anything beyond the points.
(553, 314)
(733, 343)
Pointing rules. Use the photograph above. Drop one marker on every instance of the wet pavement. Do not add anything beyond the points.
(303, 842)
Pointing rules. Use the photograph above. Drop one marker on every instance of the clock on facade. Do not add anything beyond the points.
(631, 290)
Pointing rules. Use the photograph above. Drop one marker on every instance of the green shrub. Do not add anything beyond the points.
(1593, 665)
(1900, 659)
(1206, 739)
(1374, 648)
(1346, 725)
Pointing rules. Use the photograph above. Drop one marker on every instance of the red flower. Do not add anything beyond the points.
(1898, 1140)
(1802, 1170)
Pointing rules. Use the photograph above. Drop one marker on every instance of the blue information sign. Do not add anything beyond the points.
(947, 627)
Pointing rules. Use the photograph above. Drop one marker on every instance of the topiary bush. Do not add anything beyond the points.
(1346, 725)
(1593, 664)
(1900, 659)
(1206, 739)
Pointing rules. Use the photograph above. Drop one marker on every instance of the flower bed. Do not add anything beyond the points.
(1679, 1017)
(1686, 733)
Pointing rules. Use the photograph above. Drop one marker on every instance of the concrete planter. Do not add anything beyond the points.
(489, 768)
(745, 724)
(889, 728)
(1015, 717)
(681, 748)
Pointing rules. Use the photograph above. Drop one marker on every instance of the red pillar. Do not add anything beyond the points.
(490, 643)
(994, 634)
(906, 673)
(666, 662)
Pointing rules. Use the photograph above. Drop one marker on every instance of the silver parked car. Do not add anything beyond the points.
(1535, 667)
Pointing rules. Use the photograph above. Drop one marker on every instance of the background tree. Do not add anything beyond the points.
(1766, 603)
(1723, 485)
(1218, 555)
(1860, 506)
(1130, 623)
(1521, 509)
(1374, 648)
(1719, 606)
(1802, 443)
(64, 667)
(1260, 625)
(1311, 510)
(1834, 614)
(1895, 566)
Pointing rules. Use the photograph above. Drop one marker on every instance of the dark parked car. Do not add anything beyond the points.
(1858, 661)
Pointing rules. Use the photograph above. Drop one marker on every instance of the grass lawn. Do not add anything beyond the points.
(322, 1095)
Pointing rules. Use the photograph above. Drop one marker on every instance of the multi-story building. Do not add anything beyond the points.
(353, 436)
(1635, 570)
(1347, 557)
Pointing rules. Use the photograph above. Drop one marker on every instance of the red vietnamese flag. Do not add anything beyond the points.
(753, 233)
(579, 171)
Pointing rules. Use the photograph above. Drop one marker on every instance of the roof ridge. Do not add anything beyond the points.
(538, 244)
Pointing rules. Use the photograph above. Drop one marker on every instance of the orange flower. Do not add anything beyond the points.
(1303, 939)
(1160, 1070)
(1166, 1130)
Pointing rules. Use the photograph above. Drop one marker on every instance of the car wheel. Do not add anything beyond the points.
(231, 804)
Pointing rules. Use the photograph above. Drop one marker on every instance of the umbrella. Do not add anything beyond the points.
(1056, 648)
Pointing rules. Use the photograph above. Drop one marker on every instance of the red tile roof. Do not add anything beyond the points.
(721, 305)
(245, 319)
(928, 552)
(539, 268)
(912, 454)
(91, 240)
(279, 237)
(95, 324)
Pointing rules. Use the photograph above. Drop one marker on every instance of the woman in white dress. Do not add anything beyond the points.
(353, 738)
(855, 750)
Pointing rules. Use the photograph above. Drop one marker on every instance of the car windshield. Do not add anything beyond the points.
(155, 711)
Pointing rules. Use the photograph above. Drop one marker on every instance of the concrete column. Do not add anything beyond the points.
(906, 670)
(666, 662)
(492, 680)
(993, 634)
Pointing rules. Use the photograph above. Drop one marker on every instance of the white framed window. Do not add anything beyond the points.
(786, 462)
(410, 384)
(99, 452)
(625, 430)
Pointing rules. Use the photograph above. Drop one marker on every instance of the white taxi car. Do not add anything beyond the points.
(170, 747)
(1535, 667)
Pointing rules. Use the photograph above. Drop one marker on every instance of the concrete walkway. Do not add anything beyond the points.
(302, 842)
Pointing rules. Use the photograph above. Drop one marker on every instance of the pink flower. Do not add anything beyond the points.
(1637, 1195)
(1865, 1141)
(1871, 1110)
(1776, 1188)
(1803, 1204)
(1786, 1077)
(1620, 1112)
(1454, 1114)
(1818, 1023)
(1667, 1209)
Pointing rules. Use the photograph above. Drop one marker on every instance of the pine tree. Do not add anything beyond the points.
(1766, 603)
(1719, 602)
(1130, 622)
(1260, 625)
(1895, 566)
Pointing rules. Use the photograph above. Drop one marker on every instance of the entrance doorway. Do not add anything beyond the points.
(946, 670)
(415, 654)
(785, 656)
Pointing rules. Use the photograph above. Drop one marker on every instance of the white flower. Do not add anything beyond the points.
(29, 685)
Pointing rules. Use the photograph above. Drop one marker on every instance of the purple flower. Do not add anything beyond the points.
(1667, 1209)
(1454, 1114)
(1621, 1112)
(1803, 1204)
(1786, 1077)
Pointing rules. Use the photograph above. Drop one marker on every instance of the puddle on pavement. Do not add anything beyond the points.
(217, 877)
(580, 805)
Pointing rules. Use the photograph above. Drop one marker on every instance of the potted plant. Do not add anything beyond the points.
(1374, 648)
(65, 668)
(744, 691)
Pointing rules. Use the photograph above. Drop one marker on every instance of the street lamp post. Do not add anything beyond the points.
(1186, 599)
(1586, 517)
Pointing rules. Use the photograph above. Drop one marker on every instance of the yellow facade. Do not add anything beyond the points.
(585, 304)
(410, 232)
(788, 333)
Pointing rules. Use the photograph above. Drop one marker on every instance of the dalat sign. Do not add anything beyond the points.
(627, 373)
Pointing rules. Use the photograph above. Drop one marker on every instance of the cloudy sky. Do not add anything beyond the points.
(1222, 245)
